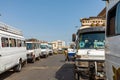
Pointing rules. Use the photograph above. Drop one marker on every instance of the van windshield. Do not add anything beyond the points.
(43, 46)
(29, 46)
(92, 40)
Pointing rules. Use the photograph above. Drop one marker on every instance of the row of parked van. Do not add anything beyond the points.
(37, 50)
(15, 50)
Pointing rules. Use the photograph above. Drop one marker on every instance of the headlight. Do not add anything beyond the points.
(44, 52)
(81, 63)
(81, 56)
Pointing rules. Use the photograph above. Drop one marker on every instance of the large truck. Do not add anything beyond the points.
(112, 46)
(90, 55)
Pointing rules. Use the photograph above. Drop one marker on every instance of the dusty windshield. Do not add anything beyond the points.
(43, 46)
(92, 40)
(29, 46)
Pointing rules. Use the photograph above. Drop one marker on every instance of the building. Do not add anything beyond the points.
(58, 44)
(93, 21)
(99, 20)
(102, 13)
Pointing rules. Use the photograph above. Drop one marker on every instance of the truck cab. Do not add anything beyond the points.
(90, 55)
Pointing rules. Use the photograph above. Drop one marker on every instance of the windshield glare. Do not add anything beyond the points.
(29, 46)
(43, 46)
(92, 40)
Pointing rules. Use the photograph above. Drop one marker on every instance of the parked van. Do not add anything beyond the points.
(44, 50)
(34, 50)
(12, 48)
(50, 49)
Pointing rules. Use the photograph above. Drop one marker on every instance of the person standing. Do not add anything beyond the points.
(66, 55)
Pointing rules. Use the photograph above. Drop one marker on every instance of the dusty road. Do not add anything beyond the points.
(51, 68)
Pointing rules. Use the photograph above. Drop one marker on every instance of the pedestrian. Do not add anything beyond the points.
(66, 55)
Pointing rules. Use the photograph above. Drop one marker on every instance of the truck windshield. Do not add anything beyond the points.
(29, 46)
(92, 40)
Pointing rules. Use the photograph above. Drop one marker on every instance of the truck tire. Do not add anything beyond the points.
(77, 76)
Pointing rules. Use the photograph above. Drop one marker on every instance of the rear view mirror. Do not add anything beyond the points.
(74, 37)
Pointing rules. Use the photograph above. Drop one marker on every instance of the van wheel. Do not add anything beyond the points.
(18, 67)
(38, 58)
(45, 56)
(33, 60)
(24, 63)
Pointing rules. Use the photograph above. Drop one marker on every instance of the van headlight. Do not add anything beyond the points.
(44, 52)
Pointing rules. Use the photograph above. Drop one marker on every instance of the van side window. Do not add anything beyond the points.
(23, 44)
(5, 42)
(37, 45)
(12, 42)
(34, 45)
(111, 22)
(19, 43)
(118, 19)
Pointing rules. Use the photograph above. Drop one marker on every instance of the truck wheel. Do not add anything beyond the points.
(77, 76)
(18, 67)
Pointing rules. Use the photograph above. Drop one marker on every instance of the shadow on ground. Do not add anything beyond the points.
(6, 74)
(65, 72)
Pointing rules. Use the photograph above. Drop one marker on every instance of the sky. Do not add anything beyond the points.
(48, 20)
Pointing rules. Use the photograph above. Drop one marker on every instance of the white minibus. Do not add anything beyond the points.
(33, 48)
(12, 48)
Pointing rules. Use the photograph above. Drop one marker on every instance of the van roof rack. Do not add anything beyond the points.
(10, 29)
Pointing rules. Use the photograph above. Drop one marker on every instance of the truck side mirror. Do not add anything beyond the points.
(74, 37)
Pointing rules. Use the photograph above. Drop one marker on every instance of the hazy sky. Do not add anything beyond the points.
(48, 20)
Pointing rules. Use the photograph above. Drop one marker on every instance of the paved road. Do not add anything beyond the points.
(52, 68)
